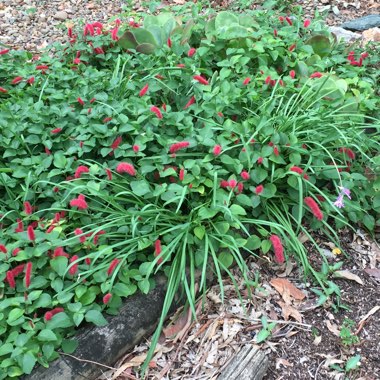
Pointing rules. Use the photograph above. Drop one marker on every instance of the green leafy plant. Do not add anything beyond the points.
(266, 331)
(346, 334)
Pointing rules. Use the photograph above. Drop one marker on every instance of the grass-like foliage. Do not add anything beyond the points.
(179, 145)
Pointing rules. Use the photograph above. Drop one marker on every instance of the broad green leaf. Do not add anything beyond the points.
(96, 317)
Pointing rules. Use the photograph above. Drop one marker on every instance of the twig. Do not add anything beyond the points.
(88, 361)
(319, 367)
(281, 322)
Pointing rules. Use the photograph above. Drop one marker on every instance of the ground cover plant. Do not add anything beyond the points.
(176, 145)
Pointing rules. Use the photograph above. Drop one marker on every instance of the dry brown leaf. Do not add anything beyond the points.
(283, 362)
(372, 311)
(333, 328)
(347, 275)
(172, 330)
(317, 340)
(284, 286)
(303, 238)
(374, 272)
(290, 311)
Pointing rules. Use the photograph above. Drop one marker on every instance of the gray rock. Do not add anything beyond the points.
(344, 34)
(363, 23)
(60, 15)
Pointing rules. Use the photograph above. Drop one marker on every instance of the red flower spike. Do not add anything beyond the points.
(169, 42)
(275, 32)
(316, 75)
(296, 169)
(191, 52)
(292, 74)
(364, 55)
(80, 170)
(92, 100)
(109, 174)
(107, 119)
(125, 167)
(114, 33)
(314, 208)
(281, 19)
(232, 183)
(47, 151)
(74, 268)
(28, 208)
(163, 106)
(30, 80)
(3, 248)
(260, 160)
(112, 266)
(80, 101)
(277, 248)
(157, 247)
(28, 274)
(245, 175)
(240, 187)
(178, 146)
(56, 130)
(223, 183)
(289, 21)
(59, 252)
(31, 234)
(20, 226)
(4, 51)
(181, 174)
(79, 202)
(267, 79)
(136, 148)
(16, 251)
(201, 79)
(11, 279)
(157, 111)
(189, 103)
(107, 298)
(321, 198)
(17, 80)
(18, 270)
(3, 90)
(348, 152)
(87, 261)
(217, 150)
(275, 151)
(306, 23)
(144, 90)
(259, 189)
(79, 231)
(42, 67)
(292, 47)
(50, 314)
(116, 143)
(246, 81)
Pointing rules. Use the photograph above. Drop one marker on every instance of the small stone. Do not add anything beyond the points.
(363, 23)
(344, 34)
(60, 15)
(371, 35)
(336, 11)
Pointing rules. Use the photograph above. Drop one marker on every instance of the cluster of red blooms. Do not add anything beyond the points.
(353, 62)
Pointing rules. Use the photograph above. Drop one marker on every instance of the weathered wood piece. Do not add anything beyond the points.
(250, 363)
(138, 317)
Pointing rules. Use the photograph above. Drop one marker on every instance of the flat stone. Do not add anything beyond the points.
(363, 23)
(371, 35)
(60, 15)
(344, 34)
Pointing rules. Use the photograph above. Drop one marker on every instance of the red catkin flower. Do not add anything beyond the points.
(281, 19)
(240, 187)
(79, 202)
(3, 248)
(42, 67)
(296, 169)
(114, 33)
(80, 170)
(189, 103)
(316, 75)
(144, 90)
(259, 189)
(156, 111)
(348, 152)
(169, 41)
(314, 208)
(181, 174)
(277, 248)
(268, 79)
(232, 183)
(200, 79)
(112, 266)
(275, 32)
(59, 252)
(80, 101)
(50, 314)
(11, 279)
(47, 151)
(289, 21)
(321, 198)
(191, 52)
(109, 174)
(3, 90)
(157, 247)
(292, 74)
(136, 148)
(79, 231)
(217, 150)
(245, 175)
(260, 160)
(116, 143)
(18, 270)
(276, 151)
(56, 130)
(28, 208)
(179, 145)
(17, 80)
(20, 226)
(107, 119)
(306, 23)
(30, 80)
(246, 81)
(74, 268)
(4, 51)
(125, 167)
(292, 47)
(97, 235)
(163, 106)
(107, 298)
(31, 234)
(28, 274)
(16, 251)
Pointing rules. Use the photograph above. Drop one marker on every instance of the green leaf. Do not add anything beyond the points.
(144, 286)
(199, 232)
(124, 290)
(320, 44)
(262, 336)
(237, 210)
(69, 345)
(28, 362)
(6, 348)
(258, 175)
(96, 317)
(352, 363)
(60, 320)
(253, 243)
(46, 336)
(140, 188)
(60, 160)
(206, 213)
(226, 259)
(59, 264)
(14, 315)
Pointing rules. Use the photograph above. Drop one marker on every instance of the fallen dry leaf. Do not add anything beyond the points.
(333, 328)
(172, 330)
(290, 311)
(374, 272)
(317, 340)
(283, 362)
(363, 319)
(347, 275)
(282, 285)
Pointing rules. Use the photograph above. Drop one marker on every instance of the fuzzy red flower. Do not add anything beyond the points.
(3, 90)
(181, 174)
(112, 266)
(277, 248)
(292, 47)
(56, 130)
(189, 103)
(116, 143)
(114, 33)
(28, 208)
(18, 270)
(259, 189)
(80, 170)
(17, 80)
(79, 202)
(245, 175)
(191, 52)
(275, 32)
(348, 152)
(42, 67)
(59, 252)
(276, 151)
(109, 174)
(31, 234)
(97, 235)
(217, 150)
(169, 42)
(260, 160)
(16, 251)
(296, 169)
(306, 23)
(136, 148)
(74, 268)
(246, 81)
(80, 101)
(144, 90)
(107, 298)
(240, 187)
(232, 183)
(314, 208)
(157, 111)
(107, 119)
(30, 80)
(223, 183)
(20, 226)
(316, 75)
(11, 279)
(178, 146)
(79, 231)
(3, 248)
(289, 21)
(292, 74)
(49, 314)
(28, 274)
(4, 51)
(125, 167)
(200, 79)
